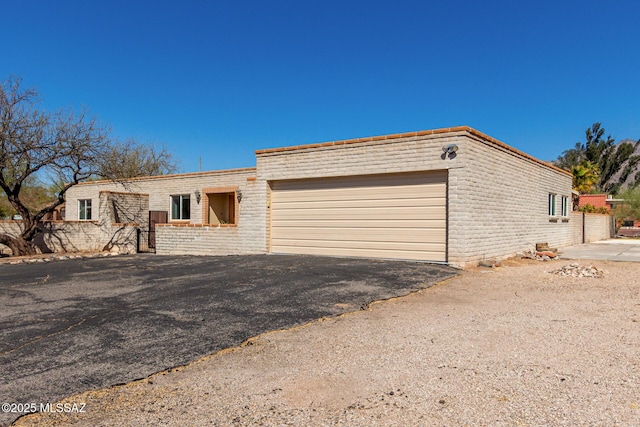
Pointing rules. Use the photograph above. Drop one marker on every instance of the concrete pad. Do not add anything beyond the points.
(613, 250)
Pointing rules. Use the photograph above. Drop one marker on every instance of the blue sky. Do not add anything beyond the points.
(217, 80)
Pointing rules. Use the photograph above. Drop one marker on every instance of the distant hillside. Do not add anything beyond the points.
(625, 172)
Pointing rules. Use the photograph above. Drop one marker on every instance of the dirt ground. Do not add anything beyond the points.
(512, 346)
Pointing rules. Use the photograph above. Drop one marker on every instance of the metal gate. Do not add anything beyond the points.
(147, 238)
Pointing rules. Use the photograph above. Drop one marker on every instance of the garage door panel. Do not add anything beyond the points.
(362, 234)
(435, 212)
(357, 203)
(364, 181)
(374, 193)
(396, 246)
(384, 216)
(436, 256)
(363, 223)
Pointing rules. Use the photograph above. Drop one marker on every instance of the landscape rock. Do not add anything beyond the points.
(575, 270)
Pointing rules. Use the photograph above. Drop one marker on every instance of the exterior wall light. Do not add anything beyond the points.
(450, 149)
(239, 195)
(198, 196)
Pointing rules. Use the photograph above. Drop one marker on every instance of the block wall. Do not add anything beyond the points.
(124, 208)
(392, 155)
(498, 204)
(192, 236)
(160, 189)
(79, 236)
(246, 237)
(576, 228)
(598, 227)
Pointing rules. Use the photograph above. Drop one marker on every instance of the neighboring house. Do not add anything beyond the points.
(450, 195)
(599, 201)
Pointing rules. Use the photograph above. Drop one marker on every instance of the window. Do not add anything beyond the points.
(565, 206)
(180, 207)
(84, 209)
(552, 204)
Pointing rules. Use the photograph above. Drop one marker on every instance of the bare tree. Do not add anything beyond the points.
(64, 145)
(130, 159)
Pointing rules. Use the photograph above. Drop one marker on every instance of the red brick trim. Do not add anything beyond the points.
(197, 225)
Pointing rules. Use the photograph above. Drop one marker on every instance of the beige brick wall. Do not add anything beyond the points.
(77, 236)
(160, 189)
(124, 208)
(576, 228)
(497, 198)
(498, 204)
(246, 237)
(416, 153)
(598, 227)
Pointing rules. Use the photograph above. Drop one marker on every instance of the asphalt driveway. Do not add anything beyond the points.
(74, 325)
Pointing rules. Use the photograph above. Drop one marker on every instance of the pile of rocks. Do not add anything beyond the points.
(575, 270)
(542, 253)
(539, 255)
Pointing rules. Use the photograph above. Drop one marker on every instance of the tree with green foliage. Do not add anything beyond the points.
(571, 158)
(64, 146)
(586, 176)
(599, 154)
(597, 148)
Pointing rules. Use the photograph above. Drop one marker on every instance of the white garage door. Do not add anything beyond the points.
(401, 216)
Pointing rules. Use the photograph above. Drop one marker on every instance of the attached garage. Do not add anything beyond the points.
(400, 215)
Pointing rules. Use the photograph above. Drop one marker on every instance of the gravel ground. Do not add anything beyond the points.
(514, 346)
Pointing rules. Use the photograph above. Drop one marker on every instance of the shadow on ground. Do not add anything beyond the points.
(74, 325)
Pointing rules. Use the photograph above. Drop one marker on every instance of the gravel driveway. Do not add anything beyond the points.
(505, 347)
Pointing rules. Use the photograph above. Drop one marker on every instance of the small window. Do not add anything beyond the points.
(84, 209)
(180, 207)
(565, 206)
(552, 204)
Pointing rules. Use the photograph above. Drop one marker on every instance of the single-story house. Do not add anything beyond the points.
(452, 195)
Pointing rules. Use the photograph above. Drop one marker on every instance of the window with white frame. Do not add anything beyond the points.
(84, 209)
(180, 207)
(552, 204)
(565, 206)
